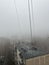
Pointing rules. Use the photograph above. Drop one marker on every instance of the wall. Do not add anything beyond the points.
(41, 60)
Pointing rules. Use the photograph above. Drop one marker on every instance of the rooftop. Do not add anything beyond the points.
(31, 53)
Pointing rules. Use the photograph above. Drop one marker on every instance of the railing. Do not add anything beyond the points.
(41, 60)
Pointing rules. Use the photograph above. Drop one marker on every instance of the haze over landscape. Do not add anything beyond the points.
(10, 26)
(16, 25)
(15, 29)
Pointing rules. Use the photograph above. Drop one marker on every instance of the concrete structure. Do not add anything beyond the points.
(41, 60)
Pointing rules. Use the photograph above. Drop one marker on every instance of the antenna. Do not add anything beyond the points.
(33, 21)
(30, 20)
(34, 41)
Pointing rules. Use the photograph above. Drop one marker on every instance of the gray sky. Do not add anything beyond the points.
(11, 26)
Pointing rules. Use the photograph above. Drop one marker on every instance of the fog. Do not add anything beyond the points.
(16, 24)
